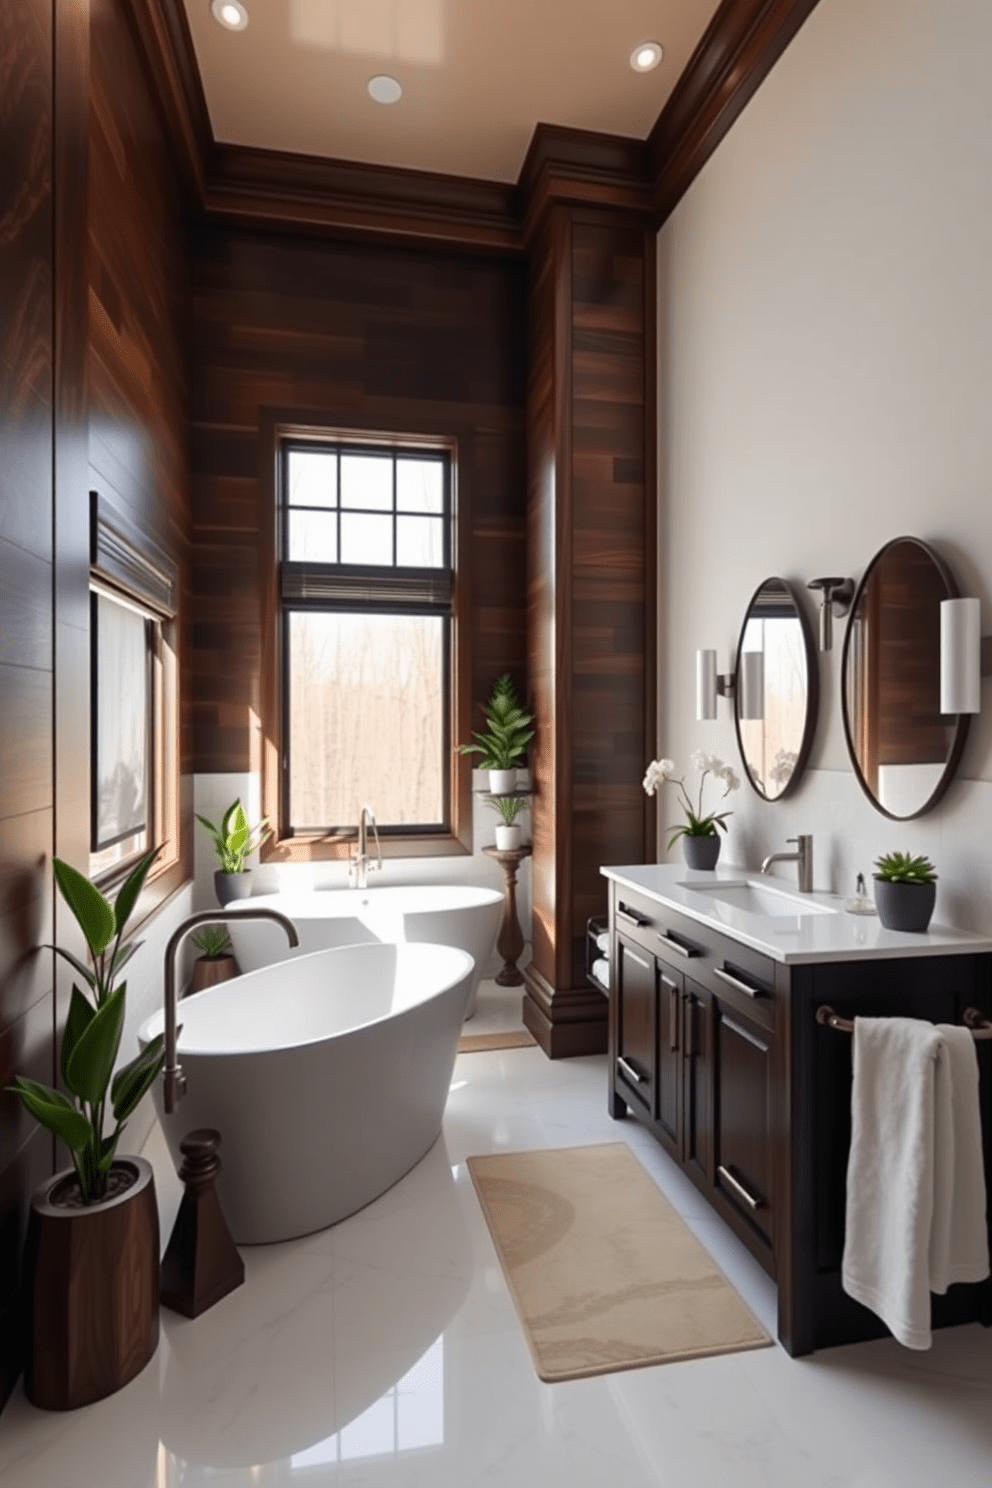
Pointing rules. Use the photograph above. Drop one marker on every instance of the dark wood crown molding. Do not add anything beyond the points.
(580, 168)
(164, 36)
(737, 51)
(305, 191)
(576, 167)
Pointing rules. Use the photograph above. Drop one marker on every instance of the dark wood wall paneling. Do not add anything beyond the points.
(591, 575)
(385, 339)
(26, 681)
(139, 316)
(93, 326)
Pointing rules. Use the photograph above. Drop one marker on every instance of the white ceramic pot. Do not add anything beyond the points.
(508, 838)
(502, 782)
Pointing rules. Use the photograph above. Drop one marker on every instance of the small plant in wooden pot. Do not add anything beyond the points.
(905, 891)
(91, 1259)
(503, 743)
(509, 835)
(216, 962)
(233, 840)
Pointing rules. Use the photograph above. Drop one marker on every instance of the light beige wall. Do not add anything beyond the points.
(825, 374)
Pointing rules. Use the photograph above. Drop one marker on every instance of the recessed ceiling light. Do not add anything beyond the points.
(646, 56)
(231, 14)
(385, 89)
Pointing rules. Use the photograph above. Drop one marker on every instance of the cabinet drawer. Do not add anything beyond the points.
(659, 931)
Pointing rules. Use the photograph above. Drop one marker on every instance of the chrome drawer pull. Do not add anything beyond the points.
(632, 917)
(739, 1189)
(732, 981)
(630, 1071)
(673, 945)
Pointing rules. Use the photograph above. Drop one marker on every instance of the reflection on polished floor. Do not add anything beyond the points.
(386, 1352)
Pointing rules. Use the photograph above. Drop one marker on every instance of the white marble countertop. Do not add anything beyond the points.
(789, 935)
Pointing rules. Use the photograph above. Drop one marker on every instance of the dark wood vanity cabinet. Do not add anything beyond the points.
(715, 1048)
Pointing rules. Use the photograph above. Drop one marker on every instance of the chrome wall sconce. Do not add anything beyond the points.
(710, 684)
(836, 600)
(965, 656)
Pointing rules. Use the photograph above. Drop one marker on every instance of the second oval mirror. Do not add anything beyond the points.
(904, 750)
(775, 693)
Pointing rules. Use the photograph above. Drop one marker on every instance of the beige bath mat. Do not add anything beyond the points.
(512, 1038)
(603, 1272)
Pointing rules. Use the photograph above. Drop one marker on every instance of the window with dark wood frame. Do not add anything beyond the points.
(365, 652)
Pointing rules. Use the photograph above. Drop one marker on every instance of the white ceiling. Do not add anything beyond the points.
(477, 75)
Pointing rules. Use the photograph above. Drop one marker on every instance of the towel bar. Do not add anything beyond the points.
(980, 1026)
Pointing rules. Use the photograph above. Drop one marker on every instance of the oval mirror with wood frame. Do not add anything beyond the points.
(903, 749)
(776, 690)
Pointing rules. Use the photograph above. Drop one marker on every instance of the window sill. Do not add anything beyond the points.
(317, 849)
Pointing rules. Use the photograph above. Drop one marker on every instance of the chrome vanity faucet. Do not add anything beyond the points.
(803, 856)
(172, 1071)
(360, 863)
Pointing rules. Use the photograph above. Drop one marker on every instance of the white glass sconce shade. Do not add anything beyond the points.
(752, 697)
(705, 684)
(960, 656)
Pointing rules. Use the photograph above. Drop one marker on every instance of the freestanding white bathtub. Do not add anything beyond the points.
(326, 1076)
(438, 914)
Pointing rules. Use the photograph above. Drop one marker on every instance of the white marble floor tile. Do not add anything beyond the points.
(386, 1353)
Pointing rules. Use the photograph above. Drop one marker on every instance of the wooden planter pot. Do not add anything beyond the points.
(209, 970)
(91, 1280)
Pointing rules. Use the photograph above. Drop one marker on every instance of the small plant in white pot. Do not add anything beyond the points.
(503, 744)
(508, 836)
(905, 891)
(233, 841)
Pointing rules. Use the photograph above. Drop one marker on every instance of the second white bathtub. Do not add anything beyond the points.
(459, 915)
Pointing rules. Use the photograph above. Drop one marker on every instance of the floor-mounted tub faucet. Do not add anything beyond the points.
(803, 856)
(360, 863)
(173, 1078)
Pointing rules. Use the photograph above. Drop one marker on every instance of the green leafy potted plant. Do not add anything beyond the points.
(699, 832)
(91, 1263)
(508, 836)
(233, 840)
(216, 962)
(503, 743)
(905, 891)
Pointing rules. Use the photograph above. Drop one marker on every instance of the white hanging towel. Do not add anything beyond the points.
(915, 1179)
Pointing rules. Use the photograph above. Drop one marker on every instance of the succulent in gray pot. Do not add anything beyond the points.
(91, 1258)
(905, 891)
(233, 840)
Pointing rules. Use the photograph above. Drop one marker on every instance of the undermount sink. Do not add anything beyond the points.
(759, 899)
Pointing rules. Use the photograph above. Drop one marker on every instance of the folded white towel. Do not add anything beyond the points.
(603, 942)
(601, 971)
(915, 1180)
(959, 1241)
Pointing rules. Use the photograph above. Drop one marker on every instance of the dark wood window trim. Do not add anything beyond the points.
(278, 426)
(126, 562)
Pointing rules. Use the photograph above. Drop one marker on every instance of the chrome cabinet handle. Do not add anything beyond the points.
(631, 916)
(673, 945)
(753, 1202)
(673, 1018)
(630, 1071)
(689, 1016)
(732, 981)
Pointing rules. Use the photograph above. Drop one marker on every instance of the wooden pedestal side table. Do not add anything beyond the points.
(510, 940)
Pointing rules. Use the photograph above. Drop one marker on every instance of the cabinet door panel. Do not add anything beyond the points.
(669, 1083)
(743, 1116)
(697, 1127)
(636, 1022)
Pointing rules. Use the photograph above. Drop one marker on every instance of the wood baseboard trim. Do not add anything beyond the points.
(566, 1021)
